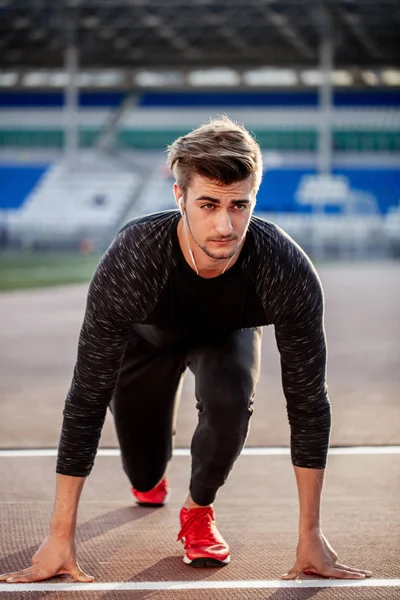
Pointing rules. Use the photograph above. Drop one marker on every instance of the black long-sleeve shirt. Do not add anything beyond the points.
(143, 278)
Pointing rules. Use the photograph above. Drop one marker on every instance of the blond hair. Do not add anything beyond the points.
(222, 150)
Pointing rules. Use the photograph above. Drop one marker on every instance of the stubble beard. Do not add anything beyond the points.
(211, 254)
(218, 256)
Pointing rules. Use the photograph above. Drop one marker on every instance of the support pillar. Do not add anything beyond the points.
(71, 108)
(325, 97)
(324, 154)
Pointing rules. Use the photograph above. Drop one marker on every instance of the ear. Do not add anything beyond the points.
(178, 197)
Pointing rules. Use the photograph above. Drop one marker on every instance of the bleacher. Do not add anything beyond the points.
(91, 201)
(65, 208)
(286, 122)
(361, 223)
(16, 182)
(375, 190)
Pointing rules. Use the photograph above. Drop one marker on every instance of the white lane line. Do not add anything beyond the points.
(195, 585)
(271, 451)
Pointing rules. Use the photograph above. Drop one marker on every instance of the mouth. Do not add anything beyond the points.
(223, 242)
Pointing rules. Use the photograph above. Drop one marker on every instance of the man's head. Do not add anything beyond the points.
(221, 150)
(218, 169)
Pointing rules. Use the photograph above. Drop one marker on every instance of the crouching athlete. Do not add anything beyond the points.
(191, 288)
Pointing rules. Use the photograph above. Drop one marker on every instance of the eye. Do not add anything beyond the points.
(208, 206)
(240, 207)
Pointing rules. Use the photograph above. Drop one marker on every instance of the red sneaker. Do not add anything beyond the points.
(204, 545)
(158, 496)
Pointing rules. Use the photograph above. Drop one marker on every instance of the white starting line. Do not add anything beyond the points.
(271, 451)
(195, 585)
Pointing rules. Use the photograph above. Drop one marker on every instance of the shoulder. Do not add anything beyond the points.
(285, 275)
(137, 263)
(271, 235)
(276, 249)
(152, 224)
(147, 238)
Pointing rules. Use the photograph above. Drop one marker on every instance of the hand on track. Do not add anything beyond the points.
(315, 556)
(54, 557)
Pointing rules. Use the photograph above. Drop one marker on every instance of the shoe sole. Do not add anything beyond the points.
(206, 562)
(150, 504)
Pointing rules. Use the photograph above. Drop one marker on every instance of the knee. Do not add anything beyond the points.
(226, 392)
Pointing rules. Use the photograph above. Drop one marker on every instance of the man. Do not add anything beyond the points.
(192, 288)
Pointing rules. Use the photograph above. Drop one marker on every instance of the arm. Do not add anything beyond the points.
(309, 486)
(57, 554)
(300, 335)
(315, 555)
(124, 289)
(65, 511)
(101, 346)
(103, 336)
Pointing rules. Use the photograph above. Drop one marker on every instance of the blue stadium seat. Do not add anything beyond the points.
(16, 182)
(277, 193)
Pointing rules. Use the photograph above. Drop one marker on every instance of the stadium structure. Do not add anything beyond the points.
(93, 91)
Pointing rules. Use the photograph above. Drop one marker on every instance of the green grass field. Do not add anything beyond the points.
(28, 270)
(24, 270)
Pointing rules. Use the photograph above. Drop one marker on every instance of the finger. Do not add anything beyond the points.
(341, 568)
(5, 576)
(79, 575)
(293, 573)
(342, 574)
(353, 570)
(8, 576)
(28, 577)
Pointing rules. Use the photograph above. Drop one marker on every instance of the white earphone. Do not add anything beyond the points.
(185, 227)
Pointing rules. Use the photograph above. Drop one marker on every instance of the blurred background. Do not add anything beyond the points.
(92, 92)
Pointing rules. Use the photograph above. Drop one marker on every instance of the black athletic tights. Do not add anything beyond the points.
(144, 405)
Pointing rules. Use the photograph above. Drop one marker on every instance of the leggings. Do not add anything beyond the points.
(144, 405)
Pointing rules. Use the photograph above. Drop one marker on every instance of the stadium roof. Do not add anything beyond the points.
(187, 34)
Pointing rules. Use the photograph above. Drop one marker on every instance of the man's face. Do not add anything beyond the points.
(217, 215)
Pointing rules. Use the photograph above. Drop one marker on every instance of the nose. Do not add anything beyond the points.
(223, 224)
